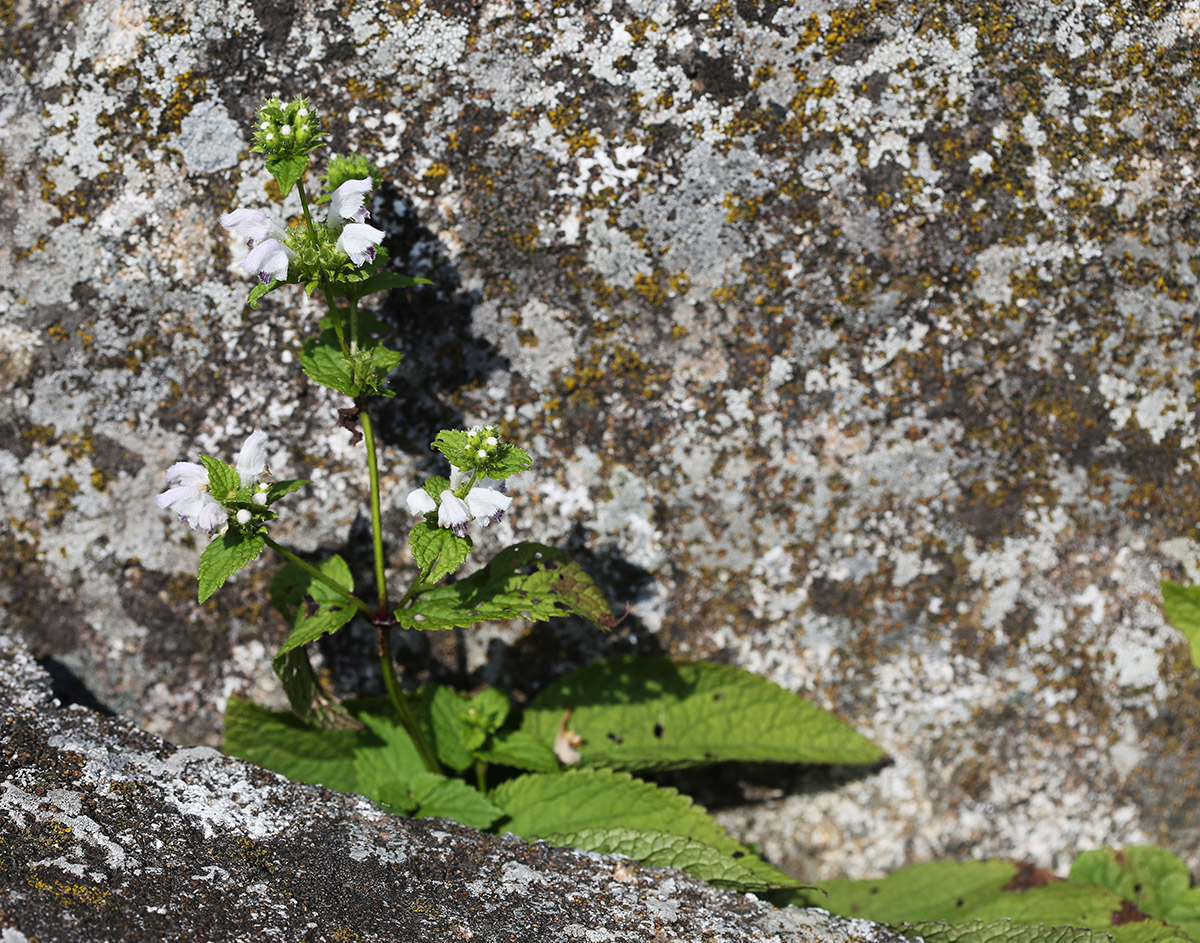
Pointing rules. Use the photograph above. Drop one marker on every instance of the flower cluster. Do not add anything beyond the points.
(190, 494)
(276, 253)
(287, 130)
(468, 498)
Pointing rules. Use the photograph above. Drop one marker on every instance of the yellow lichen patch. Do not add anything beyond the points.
(566, 120)
(190, 87)
(68, 895)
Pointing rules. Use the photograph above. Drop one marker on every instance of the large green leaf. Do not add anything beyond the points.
(667, 850)
(525, 581)
(1151, 878)
(391, 772)
(655, 713)
(539, 805)
(938, 890)
(1181, 606)
(225, 555)
(1000, 931)
(281, 742)
(518, 749)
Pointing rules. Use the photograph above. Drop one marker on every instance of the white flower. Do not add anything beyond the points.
(454, 513)
(487, 504)
(268, 260)
(252, 225)
(252, 459)
(346, 204)
(358, 240)
(189, 497)
(488, 500)
(243, 516)
(420, 502)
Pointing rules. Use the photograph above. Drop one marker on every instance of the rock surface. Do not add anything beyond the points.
(110, 833)
(856, 344)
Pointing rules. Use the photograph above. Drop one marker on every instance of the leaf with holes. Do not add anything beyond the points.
(654, 713)
(525, 581)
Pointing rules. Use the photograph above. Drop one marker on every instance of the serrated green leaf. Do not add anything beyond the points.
(223, 480)
(453, 799)
(261, 289)
(287, 170)
(444, 710)
(554, 586)
(519, 750)
(389, 757)
(309, 701)
(435, 485)
(542, 804)
(1056, 903)
(453, 444)
(384, 281)
(508, 461)
(277, 489)
(1181, 606)
(666, 850)
(438, 552)
(225, 555)
(322, 360)
(280, 742)
(654, 713)
(483, 715)
(999, 931)
(313, 609)
(1156, 881)
(938, 890)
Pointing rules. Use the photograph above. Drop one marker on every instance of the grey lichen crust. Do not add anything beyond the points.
(109, 833)
(854, 341)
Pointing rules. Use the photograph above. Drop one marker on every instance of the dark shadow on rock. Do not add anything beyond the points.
(729, 785)
(432, 327)
(69, 689)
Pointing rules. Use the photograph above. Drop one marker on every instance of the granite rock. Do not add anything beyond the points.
(112, 834)
(855, 344)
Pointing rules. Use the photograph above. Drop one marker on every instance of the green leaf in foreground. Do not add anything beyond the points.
(1151, 878)
(592, 802)
(225, 555)
(1181, 606)
(1000, 931)
(654, 713)
(287, 170)
(938, 890)
(281, 742)
(525, 581)
(667, 850)
(519, 750)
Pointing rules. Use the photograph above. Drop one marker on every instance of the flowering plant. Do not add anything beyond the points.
(560, 768)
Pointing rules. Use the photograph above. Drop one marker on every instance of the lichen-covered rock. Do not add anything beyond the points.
(111, 834)
(856, 344)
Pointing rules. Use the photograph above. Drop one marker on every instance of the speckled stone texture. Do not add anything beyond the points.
(856, 344)
(111, 834)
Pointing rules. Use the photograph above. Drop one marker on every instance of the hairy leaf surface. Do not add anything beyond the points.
(1181, 606)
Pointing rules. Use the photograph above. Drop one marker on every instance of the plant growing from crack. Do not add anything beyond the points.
(560, 769)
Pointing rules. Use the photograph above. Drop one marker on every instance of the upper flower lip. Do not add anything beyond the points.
(346, 203)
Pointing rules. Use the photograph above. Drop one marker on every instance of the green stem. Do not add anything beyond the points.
(353, 325)
(318, 575)
(368, 432)
(407, 718)
(312, 229)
